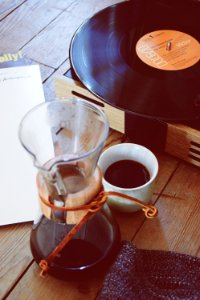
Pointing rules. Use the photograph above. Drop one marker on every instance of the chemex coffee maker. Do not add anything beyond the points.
(76, 232)
(65, 139)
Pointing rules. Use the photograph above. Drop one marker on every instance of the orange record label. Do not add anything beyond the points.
(168, 50)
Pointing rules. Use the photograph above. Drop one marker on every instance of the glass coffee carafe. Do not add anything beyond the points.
(65, 139)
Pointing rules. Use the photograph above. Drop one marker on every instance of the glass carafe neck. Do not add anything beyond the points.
(82, 191)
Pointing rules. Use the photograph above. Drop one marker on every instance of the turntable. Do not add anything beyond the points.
(139, 60)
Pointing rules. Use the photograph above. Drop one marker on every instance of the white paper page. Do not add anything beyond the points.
(20, 90)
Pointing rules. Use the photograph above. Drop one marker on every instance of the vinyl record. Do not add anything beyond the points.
(111, 55)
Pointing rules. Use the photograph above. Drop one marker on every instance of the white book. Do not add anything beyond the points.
(20, 90)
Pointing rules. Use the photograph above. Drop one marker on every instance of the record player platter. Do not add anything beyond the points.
(143, 57)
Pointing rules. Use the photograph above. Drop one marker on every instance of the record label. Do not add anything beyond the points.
(168, 50)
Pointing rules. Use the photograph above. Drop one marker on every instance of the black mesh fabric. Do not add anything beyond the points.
(151, 274)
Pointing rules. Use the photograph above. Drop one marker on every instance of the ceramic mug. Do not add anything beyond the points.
(139, 154)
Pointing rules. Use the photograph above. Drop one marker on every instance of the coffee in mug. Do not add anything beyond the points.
(129, 169)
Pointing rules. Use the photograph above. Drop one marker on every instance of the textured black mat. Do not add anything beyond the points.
(151, 274)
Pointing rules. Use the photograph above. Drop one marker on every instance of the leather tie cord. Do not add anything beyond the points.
(94, 206)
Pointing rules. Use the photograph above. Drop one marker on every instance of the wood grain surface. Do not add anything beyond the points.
(43, 31)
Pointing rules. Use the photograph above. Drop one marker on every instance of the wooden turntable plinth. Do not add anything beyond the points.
(180, 140)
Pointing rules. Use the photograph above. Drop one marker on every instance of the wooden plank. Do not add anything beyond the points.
(177, 225)
(25, 22)
(52, 44)
(61, 4)
(7, 6)
(46, 71)
(49, 85)
(15, 254)
(33, 287)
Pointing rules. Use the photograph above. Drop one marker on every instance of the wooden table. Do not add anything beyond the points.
(43, 30)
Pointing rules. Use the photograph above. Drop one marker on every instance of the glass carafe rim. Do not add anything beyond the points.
(72, 100)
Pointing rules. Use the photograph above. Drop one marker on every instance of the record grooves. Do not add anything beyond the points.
(103, 56)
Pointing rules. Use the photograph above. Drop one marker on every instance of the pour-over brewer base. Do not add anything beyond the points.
(91, 250)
